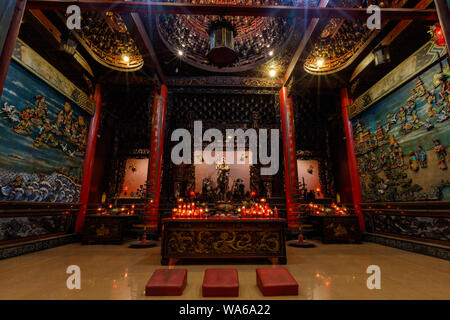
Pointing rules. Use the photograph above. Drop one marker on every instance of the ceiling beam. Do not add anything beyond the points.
(231, 10)
(301, 47)
(144, 40)
(388, 39)
(53, 30)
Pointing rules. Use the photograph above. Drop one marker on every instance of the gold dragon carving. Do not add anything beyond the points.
(223, 242)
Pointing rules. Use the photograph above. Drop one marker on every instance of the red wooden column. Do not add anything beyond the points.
(290, 160)
(155, 159)
(89, 160)
(443, 10)
(351, 158)
(10, 41)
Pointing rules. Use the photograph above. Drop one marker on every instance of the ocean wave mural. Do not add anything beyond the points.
(43, 137)
(402, 141)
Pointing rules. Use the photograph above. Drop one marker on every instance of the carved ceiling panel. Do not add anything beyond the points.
(341, 41)
(106, 38)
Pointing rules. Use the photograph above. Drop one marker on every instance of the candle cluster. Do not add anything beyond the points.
(258, 210)
(334, 209)
(123, 211)
(339, 210)
(188, 210)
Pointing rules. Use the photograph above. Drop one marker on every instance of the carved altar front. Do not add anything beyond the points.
(223, 238)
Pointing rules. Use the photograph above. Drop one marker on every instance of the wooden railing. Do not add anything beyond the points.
(24, 221)
(427, 221)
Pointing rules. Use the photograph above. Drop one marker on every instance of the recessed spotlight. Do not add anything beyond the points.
(126, 58)
(272, 73)
(319, 62)
(271, 53)
(180, 53)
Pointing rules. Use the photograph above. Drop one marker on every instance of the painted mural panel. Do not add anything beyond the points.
(402, 141)
(43, 137)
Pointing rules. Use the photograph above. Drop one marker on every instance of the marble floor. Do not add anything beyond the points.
(332, 271)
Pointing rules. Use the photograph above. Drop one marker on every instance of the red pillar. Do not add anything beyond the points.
(351, 158)
(10, 41)
(155, 159)
(290, 160)
(89, 160)
(444, 19)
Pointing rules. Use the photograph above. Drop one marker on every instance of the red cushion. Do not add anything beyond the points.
(276, 282)
(221, 283)
(167, 282)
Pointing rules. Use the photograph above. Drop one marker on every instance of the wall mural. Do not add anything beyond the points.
(43, 136)
(402, 141)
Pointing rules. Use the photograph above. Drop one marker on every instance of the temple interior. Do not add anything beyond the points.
(174, 149)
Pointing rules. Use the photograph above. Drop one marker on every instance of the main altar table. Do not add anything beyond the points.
(223, 238)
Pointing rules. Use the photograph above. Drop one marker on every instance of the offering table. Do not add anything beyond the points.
(223, 238)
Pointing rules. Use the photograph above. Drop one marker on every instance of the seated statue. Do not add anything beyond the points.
(207, 190)
(238, 189)
(223, 171)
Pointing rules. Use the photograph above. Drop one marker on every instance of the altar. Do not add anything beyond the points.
(223, 238)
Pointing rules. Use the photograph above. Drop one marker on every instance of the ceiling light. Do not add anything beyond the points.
(126, 59)
(319, 62)
(272, 73)
(180, 53)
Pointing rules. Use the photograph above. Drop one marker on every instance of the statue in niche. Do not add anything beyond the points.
(223, 172)
(268, 189)
(207, 190)
(177, 190)
(255, 117)
(238, 189)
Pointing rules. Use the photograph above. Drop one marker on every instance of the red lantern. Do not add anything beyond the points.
(438, 34)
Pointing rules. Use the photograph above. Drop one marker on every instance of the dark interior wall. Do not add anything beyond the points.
(340, 161)
(102, 153)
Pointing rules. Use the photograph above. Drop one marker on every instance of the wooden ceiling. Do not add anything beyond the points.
(161, 65)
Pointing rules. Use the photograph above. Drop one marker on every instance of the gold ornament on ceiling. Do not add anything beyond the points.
(251, 41)
(106, 38)
(341, 41)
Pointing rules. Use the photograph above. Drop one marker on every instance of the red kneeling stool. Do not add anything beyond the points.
(167, 282)
(221, 283)
(276, 282)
